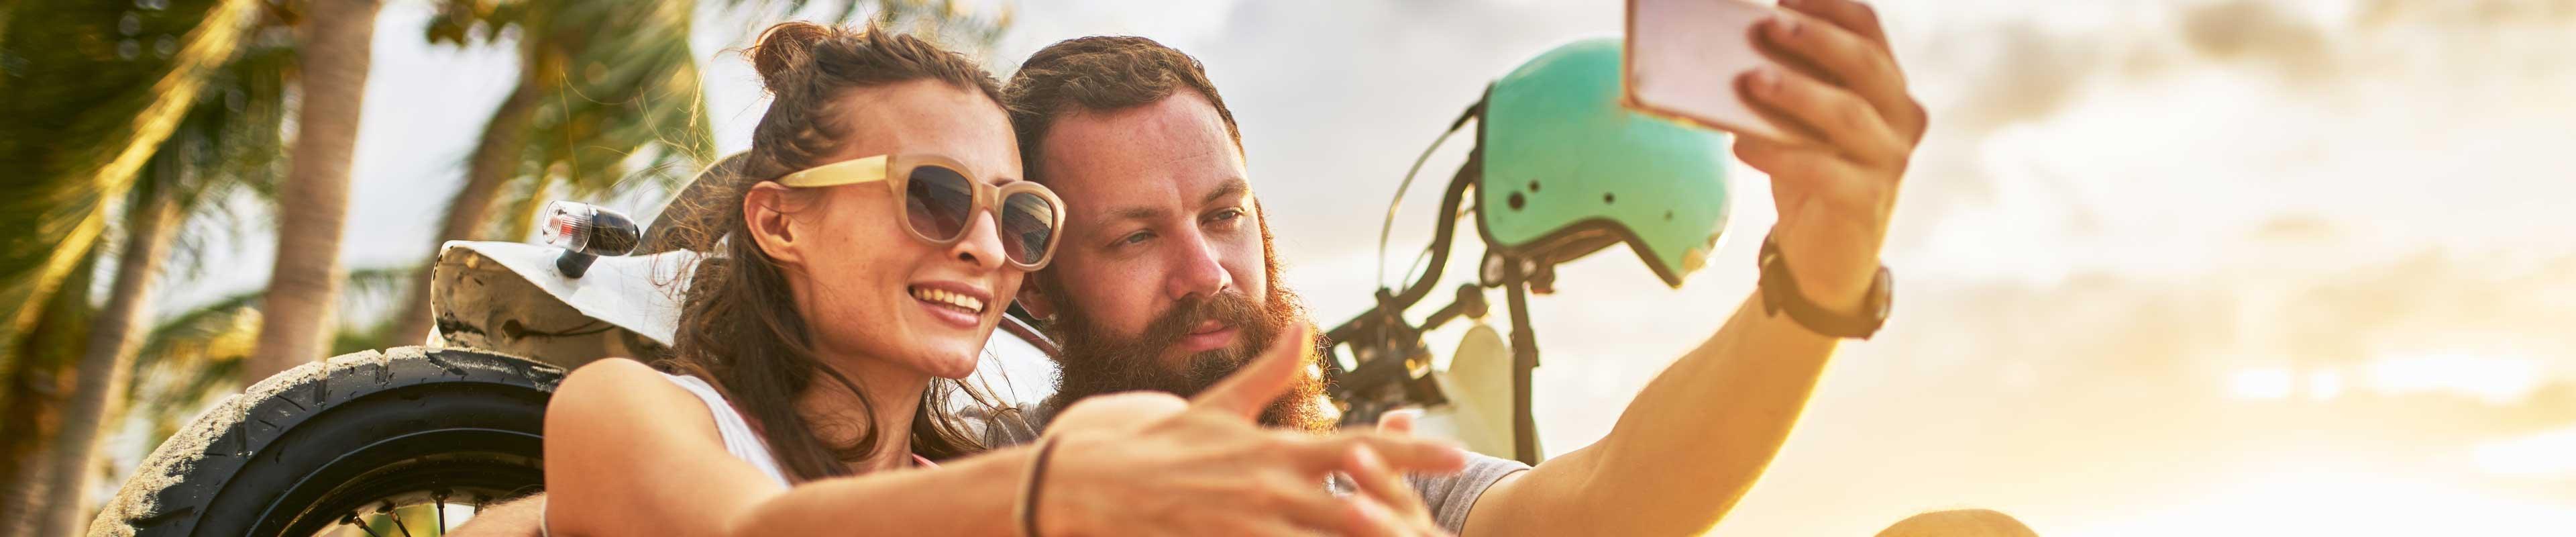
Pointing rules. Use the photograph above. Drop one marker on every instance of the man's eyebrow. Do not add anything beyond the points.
(1232, 186)
(1137, 213)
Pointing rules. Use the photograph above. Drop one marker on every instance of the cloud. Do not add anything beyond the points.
(2435, 302)
(2297, 229)
(2031, 74)
(2465, 14)
(2256, 32)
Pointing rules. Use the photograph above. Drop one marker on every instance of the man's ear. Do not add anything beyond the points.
(769, 225)
(1036, 300)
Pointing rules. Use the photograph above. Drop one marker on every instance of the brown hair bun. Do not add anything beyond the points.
(783, 48)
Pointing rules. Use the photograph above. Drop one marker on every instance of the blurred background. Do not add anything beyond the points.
(2231, 267)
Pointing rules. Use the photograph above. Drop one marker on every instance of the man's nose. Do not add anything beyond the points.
(1196, 270)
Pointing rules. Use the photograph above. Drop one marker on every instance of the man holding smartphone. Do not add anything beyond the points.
(1167, 281)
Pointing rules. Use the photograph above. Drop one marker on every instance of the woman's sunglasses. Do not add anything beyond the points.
(938, 200)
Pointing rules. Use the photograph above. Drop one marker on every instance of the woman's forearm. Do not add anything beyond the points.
(975, 495)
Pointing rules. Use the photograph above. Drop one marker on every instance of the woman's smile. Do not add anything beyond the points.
(956, 304)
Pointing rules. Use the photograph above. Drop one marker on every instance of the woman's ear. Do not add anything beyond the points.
(770, 228)
(1035, 300)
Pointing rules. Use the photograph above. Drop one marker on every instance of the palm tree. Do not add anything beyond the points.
(313, 202)
(226, 143)
(116, 82)
(150, 221)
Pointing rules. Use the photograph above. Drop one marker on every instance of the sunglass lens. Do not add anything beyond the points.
(1028, 226)
(937, 201)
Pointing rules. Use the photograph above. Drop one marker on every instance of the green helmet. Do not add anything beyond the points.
(1567, 171)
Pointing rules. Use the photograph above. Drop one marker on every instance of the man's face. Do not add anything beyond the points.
(1164, 279)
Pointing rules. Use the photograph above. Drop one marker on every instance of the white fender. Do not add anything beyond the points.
(639, 293)
(1478, 383)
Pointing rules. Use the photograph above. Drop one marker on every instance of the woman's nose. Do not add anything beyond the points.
(982, 245)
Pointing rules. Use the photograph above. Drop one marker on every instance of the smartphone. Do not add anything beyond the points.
(1684, 58)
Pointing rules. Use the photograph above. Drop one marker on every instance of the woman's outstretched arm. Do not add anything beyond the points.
(628, 453)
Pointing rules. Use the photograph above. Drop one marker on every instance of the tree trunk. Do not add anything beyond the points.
(314, 203)
(103, 364)
(30, 492)
(37, 391)
(496, 159)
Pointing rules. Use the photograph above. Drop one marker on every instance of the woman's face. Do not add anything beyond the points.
(865, 286)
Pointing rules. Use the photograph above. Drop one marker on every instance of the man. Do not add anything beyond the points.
(1166, 280)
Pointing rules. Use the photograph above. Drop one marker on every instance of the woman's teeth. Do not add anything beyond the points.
(968, 303)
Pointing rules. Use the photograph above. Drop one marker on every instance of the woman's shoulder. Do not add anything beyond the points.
(611, 388)
(611, 372)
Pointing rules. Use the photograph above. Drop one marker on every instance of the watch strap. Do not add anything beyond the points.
(1780, 294)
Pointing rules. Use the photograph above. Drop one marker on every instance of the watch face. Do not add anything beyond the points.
(1882, 292)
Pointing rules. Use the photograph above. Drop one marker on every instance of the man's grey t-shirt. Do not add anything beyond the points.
(1448, 496)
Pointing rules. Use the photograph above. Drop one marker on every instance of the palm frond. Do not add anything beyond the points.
(621, 101)
(106, 100)
(628, 91)
(230, 149)
(191, 357)
(947, 22)
(518, 216)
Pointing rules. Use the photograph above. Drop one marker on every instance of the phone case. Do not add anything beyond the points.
(1683, 58)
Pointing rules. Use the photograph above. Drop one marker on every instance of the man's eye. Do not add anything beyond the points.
(1227, 215)
(1135, 238)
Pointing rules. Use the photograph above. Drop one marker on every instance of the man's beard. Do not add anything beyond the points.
(1094, 361)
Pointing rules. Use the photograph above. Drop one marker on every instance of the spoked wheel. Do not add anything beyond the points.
(421, 495)
(407, 441)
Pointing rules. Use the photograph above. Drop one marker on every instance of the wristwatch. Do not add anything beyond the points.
(1780, 293)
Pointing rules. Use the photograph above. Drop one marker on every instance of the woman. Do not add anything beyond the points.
(878, 234)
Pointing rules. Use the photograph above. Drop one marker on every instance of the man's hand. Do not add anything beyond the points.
(1842, 86)
(1151, 464)
(1730, 402)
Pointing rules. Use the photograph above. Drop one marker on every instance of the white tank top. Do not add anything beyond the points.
(739, 439)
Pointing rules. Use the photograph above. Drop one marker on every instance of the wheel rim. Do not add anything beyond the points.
(413, 484)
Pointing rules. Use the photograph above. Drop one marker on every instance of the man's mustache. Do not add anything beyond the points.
(1227, 308)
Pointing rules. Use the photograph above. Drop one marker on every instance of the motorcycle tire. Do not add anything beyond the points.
(317, 445)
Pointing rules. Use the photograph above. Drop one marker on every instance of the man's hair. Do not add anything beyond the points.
(1099, 74)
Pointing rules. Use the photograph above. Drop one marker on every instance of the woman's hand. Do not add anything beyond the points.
(1152, 464)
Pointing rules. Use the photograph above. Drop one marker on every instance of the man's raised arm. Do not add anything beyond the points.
(1699, 435)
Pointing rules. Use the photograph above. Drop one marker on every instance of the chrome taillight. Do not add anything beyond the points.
(586, 232)
(589, 229)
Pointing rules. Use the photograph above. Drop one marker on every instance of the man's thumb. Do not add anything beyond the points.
(1398, 421)
(1262, 380)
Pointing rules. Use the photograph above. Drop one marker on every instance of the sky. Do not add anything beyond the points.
(2224, 267)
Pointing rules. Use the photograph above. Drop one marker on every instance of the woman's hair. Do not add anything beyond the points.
(739, 325)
